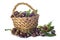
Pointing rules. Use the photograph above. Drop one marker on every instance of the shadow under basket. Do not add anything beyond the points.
(25, 24)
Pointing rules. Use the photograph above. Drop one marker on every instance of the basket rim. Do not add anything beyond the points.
(26, 17)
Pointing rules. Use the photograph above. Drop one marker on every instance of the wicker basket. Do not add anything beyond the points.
(24, 24)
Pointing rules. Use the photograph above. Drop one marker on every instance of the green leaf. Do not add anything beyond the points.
(48, 34)
(51, 28)
(28, 12)
(49, 24)
(36, 11)
(39, 26)
(43, 31)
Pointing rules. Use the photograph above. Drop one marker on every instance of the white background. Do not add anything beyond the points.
(49, 10)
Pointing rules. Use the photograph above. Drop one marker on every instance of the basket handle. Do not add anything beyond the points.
(22, 3)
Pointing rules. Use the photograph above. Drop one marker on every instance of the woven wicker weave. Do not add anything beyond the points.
(25, 23)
